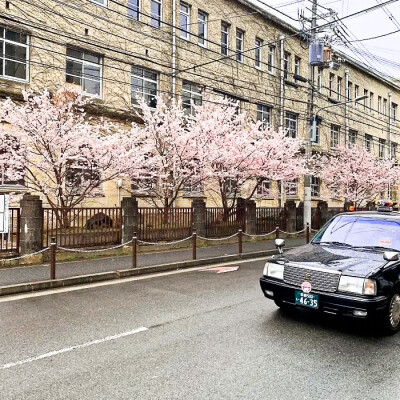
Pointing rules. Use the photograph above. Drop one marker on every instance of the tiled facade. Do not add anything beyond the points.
(125, 46)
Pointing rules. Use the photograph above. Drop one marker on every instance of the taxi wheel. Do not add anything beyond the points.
(392, 313)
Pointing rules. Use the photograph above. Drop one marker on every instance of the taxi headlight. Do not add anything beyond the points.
(357, 285)
(274, 270)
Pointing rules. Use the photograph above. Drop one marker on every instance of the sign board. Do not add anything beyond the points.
(4, 214)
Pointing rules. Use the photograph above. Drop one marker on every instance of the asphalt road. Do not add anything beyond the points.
(207, 336)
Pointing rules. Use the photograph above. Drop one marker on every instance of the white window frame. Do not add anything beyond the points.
(289, 118)
(184, 12)
(4, 58)
(297, 63)
(84, 62)
(384, 107)
(365, 99)
(191, 94)
(239, 45)
(368, 142)
(154, 17)
(371, 102)
(271, 60)
(264, 188)
(339, 88)
(134, 9)
(286, 65)
(224, 34)
(349, 90)
(315, 185)
(103, 3)
(202, 22)
(379, 104)
(352, 134)
(331, 78)
(356, 92)
(143, 78)
(292, 188)
(258, 53)
(381, 148)
(335, 136)
(264, 110)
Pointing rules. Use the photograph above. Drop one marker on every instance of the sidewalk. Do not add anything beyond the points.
(18, 275)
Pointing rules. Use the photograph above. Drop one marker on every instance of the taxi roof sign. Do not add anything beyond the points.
(384, 205)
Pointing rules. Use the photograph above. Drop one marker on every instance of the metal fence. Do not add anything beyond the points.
(82, 227)
(268, 218)
(222, 223)
(158, 224)
(9, 242)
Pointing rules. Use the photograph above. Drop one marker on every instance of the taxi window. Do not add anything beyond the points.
(361, 231)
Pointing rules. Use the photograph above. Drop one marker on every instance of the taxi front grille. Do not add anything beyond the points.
(320, 280)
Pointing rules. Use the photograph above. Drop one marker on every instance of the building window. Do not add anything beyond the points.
(291, 124)
(379, 104)
(384, 109)
(230, 186)
(315, 139)
(339, 88)
(239, 45)
(192, 95)
(315, 186)
(365, 99)
(271, 59)
(371, 102)
(368, 142)
(292, 187)
(14, 55)
(352, 138)
(296, 67)
(101, 2)
(331, 77)
(84, 70)
(335, 132)
(144, 84)
(264, 115)
(224, 38)
(264, 188)
(348, 91)
(393, 112)
(356, 93)
(382, 144)
(286, 65)
(184, 21)
(202, 20)
(156, 13)
(393, 150)
(258, 53)
(134, 9)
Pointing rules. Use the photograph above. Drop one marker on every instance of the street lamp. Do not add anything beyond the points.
(312, 137)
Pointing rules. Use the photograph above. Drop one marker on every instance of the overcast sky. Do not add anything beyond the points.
(363, 26)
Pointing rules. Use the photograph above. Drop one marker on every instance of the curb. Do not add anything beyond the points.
(104, 276)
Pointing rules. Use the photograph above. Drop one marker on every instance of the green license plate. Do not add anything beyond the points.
(306, 299)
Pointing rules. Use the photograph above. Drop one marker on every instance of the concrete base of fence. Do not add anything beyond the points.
(104, 276)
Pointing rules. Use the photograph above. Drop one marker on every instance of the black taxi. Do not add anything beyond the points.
(350, 268)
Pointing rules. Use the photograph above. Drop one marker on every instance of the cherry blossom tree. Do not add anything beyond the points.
(239, 152)
(167, 151)
(64, 155)
(353, 173)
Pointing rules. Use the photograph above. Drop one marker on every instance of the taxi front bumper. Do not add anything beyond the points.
(329, 303)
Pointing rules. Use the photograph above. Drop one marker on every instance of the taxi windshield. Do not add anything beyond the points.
(359, 231)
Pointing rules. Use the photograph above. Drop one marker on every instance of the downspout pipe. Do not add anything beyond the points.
(174, 49)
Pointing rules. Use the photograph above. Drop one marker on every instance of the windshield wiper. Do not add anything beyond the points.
(336, 244)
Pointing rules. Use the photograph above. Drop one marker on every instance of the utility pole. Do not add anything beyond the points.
(311, 70)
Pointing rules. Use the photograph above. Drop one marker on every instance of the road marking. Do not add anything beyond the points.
(79, 346)
(22, 296)
(221, 270)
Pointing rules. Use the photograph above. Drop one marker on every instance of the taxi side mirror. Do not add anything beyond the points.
(279, 244)
(390, 256)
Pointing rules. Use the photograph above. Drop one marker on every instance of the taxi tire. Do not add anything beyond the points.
(387, 326)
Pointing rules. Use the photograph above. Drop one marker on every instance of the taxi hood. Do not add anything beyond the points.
(348, 261)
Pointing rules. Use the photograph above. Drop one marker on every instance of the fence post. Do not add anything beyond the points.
(240, 236)
(194, 243)
(53, 248)
(308, 232)
(277, 232)
(134, 250)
